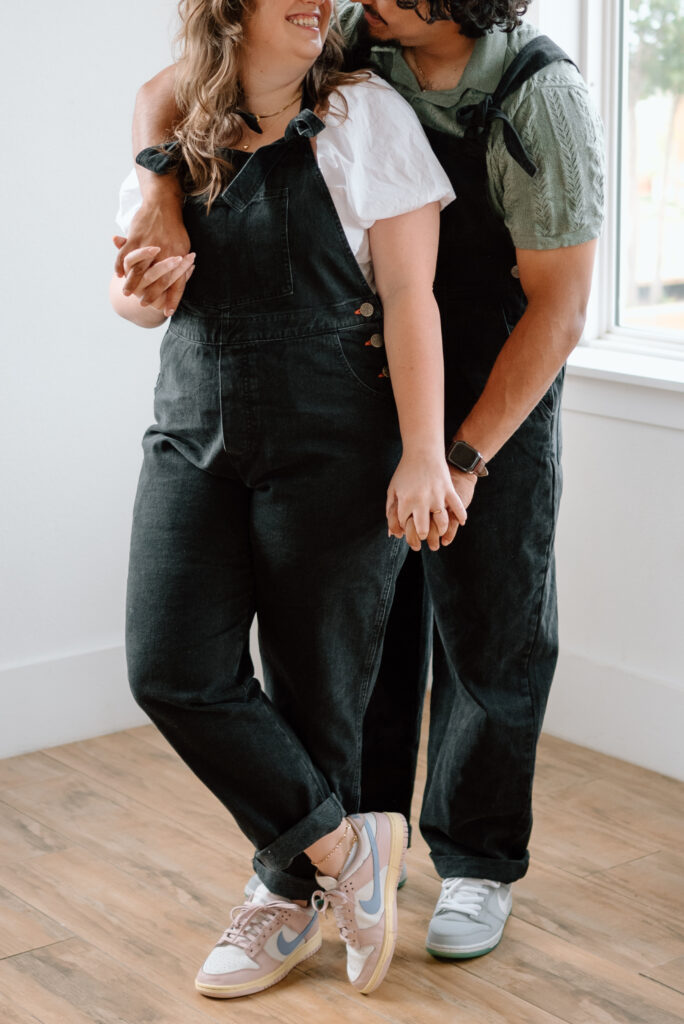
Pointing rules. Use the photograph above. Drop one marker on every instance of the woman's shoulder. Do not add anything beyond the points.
(369, 98)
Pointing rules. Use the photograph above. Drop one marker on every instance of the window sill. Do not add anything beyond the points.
(633, 386)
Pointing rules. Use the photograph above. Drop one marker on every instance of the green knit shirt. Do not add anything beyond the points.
(562, 204)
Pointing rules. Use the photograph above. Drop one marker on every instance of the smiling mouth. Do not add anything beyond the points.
(372, 15)
(310, 21)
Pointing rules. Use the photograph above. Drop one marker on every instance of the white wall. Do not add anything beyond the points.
(75, 380)
(619, 687)
(76, 396)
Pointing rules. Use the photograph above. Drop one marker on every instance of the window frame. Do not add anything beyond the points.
(602, 40)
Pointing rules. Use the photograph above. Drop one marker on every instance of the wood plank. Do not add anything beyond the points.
(576, 986)
(12, 1014)
(558, 767)
(23, 836)
(638, 780)
(153, 850)
(654, 813)
(579, 844)
(150, 733)
(74, 983)
(153, 777)
(608, 924)
(14, 771)
(419, 989)
(656, 882)
(143, 929)
(670, 974)
(23, 928)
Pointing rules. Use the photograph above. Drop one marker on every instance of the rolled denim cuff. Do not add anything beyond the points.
(282, 851)
(282, 883)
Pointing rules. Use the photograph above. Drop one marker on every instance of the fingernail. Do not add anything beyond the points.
(126, 291)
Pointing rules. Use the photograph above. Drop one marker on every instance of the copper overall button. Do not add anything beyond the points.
(376, 341)
(514, 271)
(365, 309)
(385, 372)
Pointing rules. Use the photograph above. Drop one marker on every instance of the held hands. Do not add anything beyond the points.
(159, 222)
(423, 503)
(151, 279)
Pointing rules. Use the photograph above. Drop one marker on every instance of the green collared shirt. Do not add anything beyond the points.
(562, 204)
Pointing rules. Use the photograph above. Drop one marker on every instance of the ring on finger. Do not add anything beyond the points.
(436, 511)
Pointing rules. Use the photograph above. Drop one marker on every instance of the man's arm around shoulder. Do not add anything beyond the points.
(159, 221)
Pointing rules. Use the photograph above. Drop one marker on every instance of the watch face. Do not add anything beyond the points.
(463, 456)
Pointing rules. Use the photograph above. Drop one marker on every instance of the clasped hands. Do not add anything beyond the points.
(427, 500)
(155, 274)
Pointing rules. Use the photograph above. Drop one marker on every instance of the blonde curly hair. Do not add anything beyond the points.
(208, 91)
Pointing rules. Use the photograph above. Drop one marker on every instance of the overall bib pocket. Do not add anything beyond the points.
(254, 272)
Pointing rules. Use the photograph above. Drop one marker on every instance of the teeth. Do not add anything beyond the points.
(304, 22)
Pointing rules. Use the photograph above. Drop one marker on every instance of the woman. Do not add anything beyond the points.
(265, 476)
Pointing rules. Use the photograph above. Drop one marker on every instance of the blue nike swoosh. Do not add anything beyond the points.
(285, 947)
(372, 905)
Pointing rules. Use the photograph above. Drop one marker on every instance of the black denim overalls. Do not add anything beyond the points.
(493, 590)
(263, 491)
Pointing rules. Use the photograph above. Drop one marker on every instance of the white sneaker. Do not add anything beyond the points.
(364, 897)
(469, 918)
(266, 938)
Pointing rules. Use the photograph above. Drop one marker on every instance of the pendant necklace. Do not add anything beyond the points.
(253, 121)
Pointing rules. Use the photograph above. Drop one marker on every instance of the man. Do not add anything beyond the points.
(509, 117)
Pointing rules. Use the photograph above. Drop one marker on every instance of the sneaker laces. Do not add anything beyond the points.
(342, 907)
(243, 929)
(464, 895)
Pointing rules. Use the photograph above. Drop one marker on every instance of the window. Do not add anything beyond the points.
(650, 222)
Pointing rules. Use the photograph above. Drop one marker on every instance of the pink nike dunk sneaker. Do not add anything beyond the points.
(364, 897)
(267, 937)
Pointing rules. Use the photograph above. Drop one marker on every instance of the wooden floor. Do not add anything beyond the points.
(117, 870)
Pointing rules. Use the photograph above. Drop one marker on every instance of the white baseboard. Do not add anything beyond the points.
(616, 712)
(602, 707)
(63, 700)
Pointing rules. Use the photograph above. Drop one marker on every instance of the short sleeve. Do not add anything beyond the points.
(379, 156)
(562, 205)
(130, 201)
(159, 159)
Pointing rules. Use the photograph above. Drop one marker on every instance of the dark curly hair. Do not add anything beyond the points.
(475, 17)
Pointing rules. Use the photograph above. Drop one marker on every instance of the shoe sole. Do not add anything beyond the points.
(306, 950)
(398, 845)
(449, 953)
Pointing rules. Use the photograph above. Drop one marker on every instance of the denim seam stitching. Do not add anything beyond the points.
(535, 635)
(381, 616)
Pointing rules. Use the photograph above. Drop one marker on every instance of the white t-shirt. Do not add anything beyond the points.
(376, 162)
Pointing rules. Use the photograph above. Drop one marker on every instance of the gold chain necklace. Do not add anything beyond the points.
(261, 117)
(423, 80)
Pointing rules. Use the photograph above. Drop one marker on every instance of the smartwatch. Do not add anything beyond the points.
(466, 458)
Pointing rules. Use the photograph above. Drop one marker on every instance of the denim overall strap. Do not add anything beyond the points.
(477, 118)
(249, 180)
